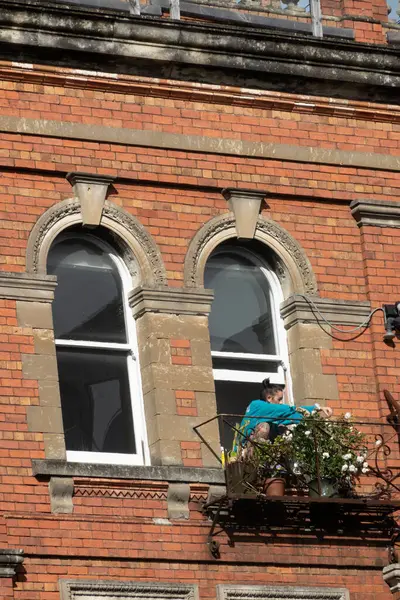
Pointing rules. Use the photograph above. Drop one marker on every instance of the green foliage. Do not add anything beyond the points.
(274, 458)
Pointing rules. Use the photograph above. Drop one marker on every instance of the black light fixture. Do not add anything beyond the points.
(392, 321)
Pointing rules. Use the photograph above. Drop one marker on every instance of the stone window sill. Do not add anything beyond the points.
(60, 468)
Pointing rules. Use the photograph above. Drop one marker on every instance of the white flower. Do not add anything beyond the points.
(345, 468)
(352, 468)
(347, 416)
(307, 433)
(364, 470)
(365, 465)
(378, 443)
(360, 459)
(317, 406)
(296, 469)
(288, 435)
(346, 457)
(325, 455)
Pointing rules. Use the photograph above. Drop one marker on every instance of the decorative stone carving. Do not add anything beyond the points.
(245, 205)
(131, 590)
(377, 213)
(299, 309)
(242, 592)
(61, 491)
(178, 500)
(278, 233)
(125, 227)
(180, 301)
(223, 227)
(91, 191)
(9, 561)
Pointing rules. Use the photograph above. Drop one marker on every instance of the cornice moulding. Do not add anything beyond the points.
(179, 301)
(135, 85)
(376, 213)
(211, 45)
(27, 287)
(299, 309)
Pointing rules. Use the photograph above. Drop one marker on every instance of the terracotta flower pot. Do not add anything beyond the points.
(275, 486)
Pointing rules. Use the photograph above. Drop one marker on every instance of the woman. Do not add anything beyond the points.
(264, 417)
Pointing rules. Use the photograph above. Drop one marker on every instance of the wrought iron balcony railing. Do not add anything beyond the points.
(354, 467)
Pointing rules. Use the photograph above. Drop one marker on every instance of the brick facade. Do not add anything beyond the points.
(171, 145)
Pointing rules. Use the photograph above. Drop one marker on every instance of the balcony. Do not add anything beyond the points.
(341, 478)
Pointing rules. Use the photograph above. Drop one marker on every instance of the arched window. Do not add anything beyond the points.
(248, 340)
(96, 352)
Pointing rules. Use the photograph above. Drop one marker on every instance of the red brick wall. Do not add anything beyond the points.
(173, 193)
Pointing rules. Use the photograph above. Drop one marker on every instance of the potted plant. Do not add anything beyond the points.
(274, 459)
(328, 456)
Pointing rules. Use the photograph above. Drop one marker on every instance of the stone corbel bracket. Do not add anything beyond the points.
(303, 309)
(391, 576)
(245, 205)
(61, 490)
(91, 191)
(178, 500)
(376, 213)
(9, 561)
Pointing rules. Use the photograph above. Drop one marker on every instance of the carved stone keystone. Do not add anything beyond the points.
(391, 576)
(9, 561)
(91, 191)
(245, 205)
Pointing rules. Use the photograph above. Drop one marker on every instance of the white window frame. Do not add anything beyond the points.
(142, 456)
(282, 357)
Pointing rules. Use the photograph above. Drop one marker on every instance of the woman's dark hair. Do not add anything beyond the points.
(270, 389)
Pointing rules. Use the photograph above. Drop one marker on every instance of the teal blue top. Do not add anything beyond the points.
(260, 411)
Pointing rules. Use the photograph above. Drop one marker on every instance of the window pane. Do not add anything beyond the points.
(96, 402)
(233, 398)
(88, 298)
(242, 364)
(241, 314)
